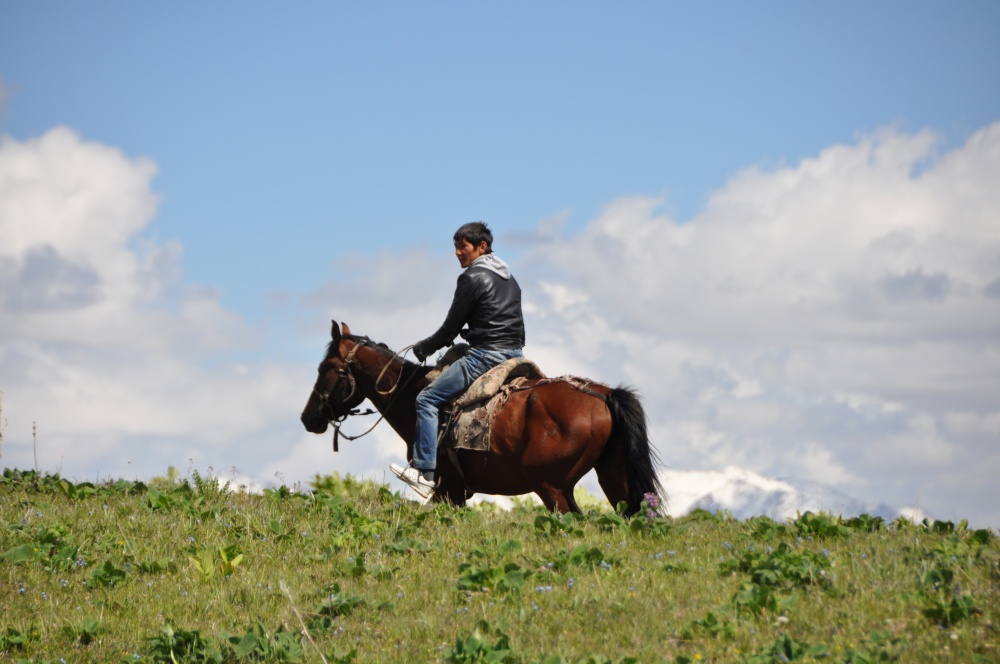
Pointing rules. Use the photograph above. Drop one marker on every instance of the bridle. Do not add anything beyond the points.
(326, 410)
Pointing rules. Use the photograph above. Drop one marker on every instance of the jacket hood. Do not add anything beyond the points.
(493, 263)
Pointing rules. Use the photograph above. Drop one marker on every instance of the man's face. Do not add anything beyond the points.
(467, 253)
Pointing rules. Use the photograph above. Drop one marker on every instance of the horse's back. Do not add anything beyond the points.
(551, 419)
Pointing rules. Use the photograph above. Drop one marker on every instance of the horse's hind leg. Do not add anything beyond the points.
(610, 469)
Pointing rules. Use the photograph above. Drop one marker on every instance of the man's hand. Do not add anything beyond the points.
(419, 351)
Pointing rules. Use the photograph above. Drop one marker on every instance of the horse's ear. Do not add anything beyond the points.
(334, 332)
(347, 330)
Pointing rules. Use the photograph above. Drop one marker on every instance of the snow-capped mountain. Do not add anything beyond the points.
(744, 494)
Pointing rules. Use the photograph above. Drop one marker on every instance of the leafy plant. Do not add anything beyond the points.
(257, 644)
(947, 611)
(86, 632)
(14, 639)
(506, 578)
(75, 491)
(763, 528)
(337, 605)
(786, 649)
(711, 626)
(357, 567)
(780, 566)
(557, 524)
(820, 525)
(229, 559)
(106, 575)
(479, 647)
(208, 561)
(579, 555)
(176, 644)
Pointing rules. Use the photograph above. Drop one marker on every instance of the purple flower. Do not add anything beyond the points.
(652, 500)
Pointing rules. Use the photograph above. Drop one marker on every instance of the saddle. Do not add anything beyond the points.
(470, 415)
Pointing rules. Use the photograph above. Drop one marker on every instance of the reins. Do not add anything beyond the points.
(392, 393)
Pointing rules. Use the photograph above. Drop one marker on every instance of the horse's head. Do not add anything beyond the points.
(335, 392)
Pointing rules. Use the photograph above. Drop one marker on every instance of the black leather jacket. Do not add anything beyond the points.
(490, 305)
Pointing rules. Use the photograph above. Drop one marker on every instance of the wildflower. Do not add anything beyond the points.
(727, 545)
(825, 552)
(652, 500)
(671, 553)
(572, 582)
(605, 565)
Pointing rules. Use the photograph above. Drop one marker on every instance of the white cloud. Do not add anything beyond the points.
(102, 346)
(834, 319)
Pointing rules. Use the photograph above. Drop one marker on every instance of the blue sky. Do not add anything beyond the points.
(292, 147)
(283, 133)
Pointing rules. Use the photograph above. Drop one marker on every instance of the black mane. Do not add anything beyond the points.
(368, 341)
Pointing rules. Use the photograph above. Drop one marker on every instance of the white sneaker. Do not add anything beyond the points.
(414, 479)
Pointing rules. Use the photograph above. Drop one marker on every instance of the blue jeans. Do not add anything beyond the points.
(452, 382)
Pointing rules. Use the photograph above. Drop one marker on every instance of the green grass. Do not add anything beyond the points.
(185, 571)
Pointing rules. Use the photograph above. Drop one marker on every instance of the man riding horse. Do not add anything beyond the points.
(488, 301)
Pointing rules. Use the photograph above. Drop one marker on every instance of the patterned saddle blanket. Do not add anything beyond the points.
(472, 413)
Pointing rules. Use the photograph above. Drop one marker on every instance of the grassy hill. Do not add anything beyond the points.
(185, 570)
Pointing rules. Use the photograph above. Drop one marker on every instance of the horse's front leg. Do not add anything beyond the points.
(450, 491)
(557, 499)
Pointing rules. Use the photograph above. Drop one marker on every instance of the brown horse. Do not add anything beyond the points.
(543, 440)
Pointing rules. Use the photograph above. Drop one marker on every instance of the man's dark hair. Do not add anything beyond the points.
(475, 232)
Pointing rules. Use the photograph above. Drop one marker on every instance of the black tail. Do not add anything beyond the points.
(629, 428)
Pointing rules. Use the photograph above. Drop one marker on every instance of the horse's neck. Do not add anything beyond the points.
(382, 381)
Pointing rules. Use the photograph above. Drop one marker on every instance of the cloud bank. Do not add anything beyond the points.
(835, 321)
(121, 365)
